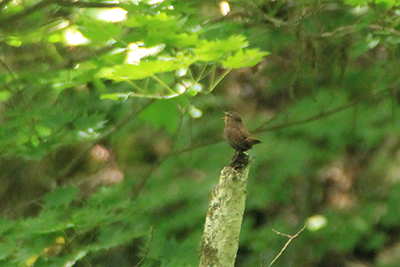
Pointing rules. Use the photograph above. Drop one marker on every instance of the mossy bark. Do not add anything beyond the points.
(225, 214)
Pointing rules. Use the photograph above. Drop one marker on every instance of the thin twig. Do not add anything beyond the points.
(86, 56)
(137, 189)
(194, 147)
(162, 83)
(316, 117)
(11, 19)
(262, 128)
(310, 119)
(7, 69)
(273, 119)
(147, 248)
(261, 260)
(29, 10)
(291, 237)
(83, 4)
(213, 85)
(265, 129)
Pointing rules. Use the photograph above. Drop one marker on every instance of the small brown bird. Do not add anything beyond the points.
(236, 133)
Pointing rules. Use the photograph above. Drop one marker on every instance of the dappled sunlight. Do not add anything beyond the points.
(14, 3)
(74, 37)
(59, 25)
(181, 72)
(224, 8)
(180, 88)
(111, 126)
(153, 2)
(195, 112)
(136, 53)
(111, 15)
(316, 222)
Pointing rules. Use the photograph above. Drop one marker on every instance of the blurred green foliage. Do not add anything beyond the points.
(115, 145)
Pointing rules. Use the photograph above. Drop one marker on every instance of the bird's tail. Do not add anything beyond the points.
(251, 141)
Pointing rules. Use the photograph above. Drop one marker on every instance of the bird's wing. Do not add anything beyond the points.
(244, 132)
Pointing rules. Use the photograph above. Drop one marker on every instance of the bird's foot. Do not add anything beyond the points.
(240, 160)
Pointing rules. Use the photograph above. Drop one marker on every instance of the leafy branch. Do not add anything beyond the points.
(263, 127)
(10, 20)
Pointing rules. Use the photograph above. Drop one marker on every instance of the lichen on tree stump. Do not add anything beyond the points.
(225, 214)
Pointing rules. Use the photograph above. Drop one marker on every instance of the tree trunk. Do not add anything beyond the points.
(225, 214)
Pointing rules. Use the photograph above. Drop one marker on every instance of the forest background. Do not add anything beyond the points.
(111, 131)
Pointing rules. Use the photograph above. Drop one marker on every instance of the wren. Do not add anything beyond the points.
(236, 133)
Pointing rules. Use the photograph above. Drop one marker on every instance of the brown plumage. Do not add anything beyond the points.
(236, 133)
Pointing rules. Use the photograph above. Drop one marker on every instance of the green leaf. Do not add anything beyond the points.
(48, 222)
(145, 68)
(162, 114)
(183, 40)
(7, 247)
(356, 2)
(214, 50)
(35, 140)
(61, 196)
(98, 31)
(388, 3)
(4, 96)
(159, 21)
(249, 58)
(42, 130)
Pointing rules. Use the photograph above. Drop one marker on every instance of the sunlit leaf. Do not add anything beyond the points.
(241, 59)
(214, 50)
(4, 96)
